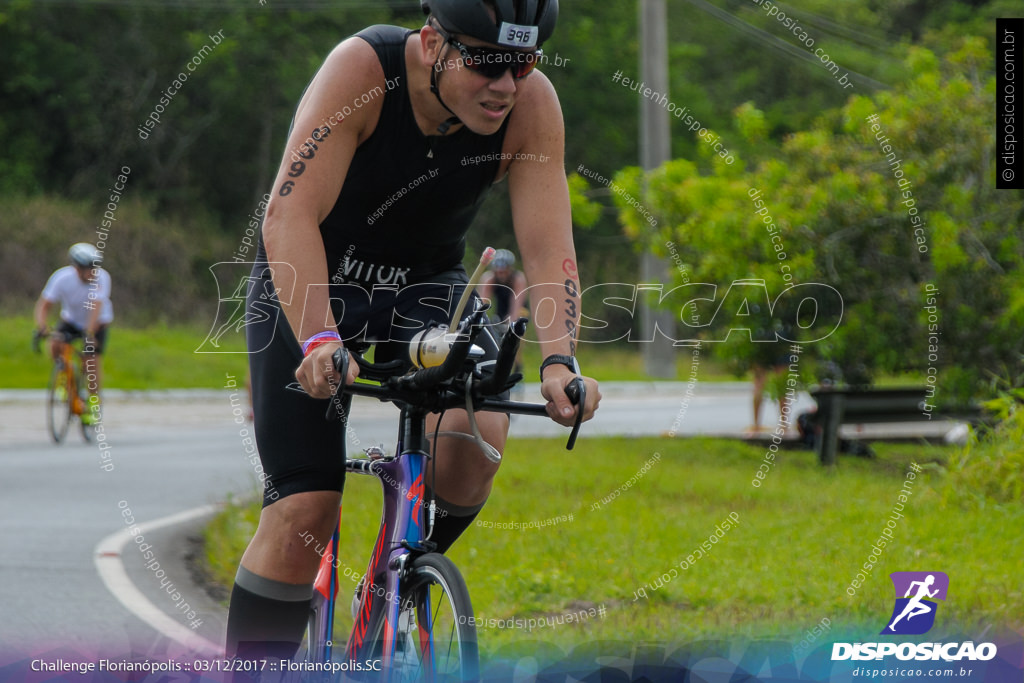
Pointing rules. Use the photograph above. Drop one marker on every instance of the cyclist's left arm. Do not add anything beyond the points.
(539, 195)
(93, 323)
(99, 298)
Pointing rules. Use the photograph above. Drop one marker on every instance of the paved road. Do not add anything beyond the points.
(64, 509)
(59, 502)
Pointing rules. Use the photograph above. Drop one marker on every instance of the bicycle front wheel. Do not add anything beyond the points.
(58, 403)
(88, 429)
(87, 419)
(436, 634)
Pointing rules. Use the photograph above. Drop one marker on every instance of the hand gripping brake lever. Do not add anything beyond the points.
(339, 406)
(577, 393)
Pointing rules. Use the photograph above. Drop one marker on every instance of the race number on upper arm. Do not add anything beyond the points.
(515, 35)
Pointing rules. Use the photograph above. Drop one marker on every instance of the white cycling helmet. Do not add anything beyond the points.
(503, 258)
(85, 255)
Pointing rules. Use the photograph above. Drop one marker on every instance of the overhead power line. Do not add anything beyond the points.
(776, 43)
(855, 34)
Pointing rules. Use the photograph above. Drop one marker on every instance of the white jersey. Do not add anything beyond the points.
(77, 298)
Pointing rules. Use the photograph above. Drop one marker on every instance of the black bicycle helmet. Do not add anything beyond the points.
(474, 18)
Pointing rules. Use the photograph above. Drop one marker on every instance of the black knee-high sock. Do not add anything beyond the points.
(450, 521)
(266, 618)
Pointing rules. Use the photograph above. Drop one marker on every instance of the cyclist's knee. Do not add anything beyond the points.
(493, 426)
(494, 429)
(456, 453)
(314, 513)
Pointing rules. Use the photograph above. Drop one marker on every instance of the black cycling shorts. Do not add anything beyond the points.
(75, 332)
(301, 451)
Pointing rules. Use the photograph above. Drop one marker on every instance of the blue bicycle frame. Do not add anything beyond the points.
(403, 530)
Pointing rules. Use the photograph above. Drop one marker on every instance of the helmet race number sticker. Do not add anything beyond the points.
(514, 35)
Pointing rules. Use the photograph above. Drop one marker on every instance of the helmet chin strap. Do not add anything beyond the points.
(453, 119)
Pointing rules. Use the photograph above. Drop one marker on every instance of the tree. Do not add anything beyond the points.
(83, 79)
(888, 216)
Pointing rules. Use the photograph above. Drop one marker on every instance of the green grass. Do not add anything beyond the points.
(155, 357)
(799, 543)
(163, 357)
(610, 363)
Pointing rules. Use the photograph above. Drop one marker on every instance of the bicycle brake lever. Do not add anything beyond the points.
(338, 408)
(577, 393)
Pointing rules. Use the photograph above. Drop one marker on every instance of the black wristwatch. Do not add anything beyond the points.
(559, 359)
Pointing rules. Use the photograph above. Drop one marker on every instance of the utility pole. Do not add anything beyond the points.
(655, 149)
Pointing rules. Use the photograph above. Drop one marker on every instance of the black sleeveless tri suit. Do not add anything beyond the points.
(394, 243)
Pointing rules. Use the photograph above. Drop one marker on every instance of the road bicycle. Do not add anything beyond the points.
(414, 619)
(64, 393)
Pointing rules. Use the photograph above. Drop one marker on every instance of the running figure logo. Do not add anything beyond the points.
(914, 613)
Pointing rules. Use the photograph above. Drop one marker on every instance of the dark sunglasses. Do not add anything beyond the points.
(492, 63)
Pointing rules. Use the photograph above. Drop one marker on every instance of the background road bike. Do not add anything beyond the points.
(66, 398)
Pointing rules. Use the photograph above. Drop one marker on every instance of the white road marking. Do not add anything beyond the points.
(107, 557)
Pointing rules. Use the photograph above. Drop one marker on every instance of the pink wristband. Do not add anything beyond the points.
(318, 339)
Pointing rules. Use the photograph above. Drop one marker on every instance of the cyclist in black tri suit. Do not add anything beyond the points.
(393, 146)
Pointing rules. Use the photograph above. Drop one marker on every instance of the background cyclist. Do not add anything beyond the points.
(378, 197)
(83, 291)
(505, 287)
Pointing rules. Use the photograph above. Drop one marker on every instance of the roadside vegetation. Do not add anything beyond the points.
(607, 543)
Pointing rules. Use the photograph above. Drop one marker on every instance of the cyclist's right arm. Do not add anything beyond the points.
(41, 316)
(49, 298)
(304, 193)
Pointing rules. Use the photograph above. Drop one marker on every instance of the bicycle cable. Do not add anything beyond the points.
(433, 476)
(489, 451)
(461, 435)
